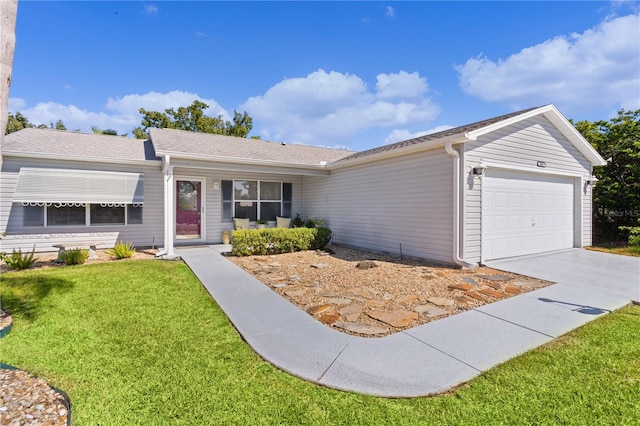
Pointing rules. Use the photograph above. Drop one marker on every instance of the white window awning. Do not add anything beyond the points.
(36, 185)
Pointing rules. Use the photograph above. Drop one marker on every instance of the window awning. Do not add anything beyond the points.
(36, 185)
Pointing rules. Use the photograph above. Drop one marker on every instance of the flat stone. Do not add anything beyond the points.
(511, 289)
(356, 327)
(361, 292)
(328, 294)
(429, 276)
(328, 318)
(492, 293)
(408, 299)
(470, 280)
(494, 277)
(351, 312)
(430, 311)
(528, 283)
(440, 301)
(294, 278)
(427, 269)
(376, 303)
(295, 293)
(494, 285)
(339, 301)
(319, 265)
(279, 285)
(322, 253)
(366, 264)
(460, 286)
(476, 296)
(397, 318)
(318, 309)
(275, 264)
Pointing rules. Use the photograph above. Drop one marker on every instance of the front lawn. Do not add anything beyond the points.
(141, 342)
(623, 249)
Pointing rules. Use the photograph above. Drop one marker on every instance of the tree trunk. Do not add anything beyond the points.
(8, 10)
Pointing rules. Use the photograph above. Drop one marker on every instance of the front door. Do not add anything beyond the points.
(189, 215)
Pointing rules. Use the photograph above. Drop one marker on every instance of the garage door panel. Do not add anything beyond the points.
(526, 213)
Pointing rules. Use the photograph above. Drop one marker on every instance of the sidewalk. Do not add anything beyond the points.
(428, 359)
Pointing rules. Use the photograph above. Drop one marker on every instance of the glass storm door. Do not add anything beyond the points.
(188, 210)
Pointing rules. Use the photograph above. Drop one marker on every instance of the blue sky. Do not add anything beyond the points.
(343, 74)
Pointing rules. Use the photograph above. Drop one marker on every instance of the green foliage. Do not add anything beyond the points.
(18, 260)
(139, 133)
(109, 132)
(262, 222)
(297, 222)
(315, 222)
(193, 118)
(75, 256)
(616, 195)
(272, 240)
(323, 237)
(634, 234)
(122, 250)
(17, 122)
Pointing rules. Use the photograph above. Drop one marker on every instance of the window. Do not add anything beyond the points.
(254, 199)
(76, 214)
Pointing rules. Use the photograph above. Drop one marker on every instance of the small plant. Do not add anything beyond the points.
(315, 222)
(18, 260)
(297, 222)
(75, 256)
(634, 234)
(122, 250)
(262, 222)
(322, 238)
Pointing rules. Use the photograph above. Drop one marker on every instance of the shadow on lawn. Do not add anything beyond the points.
(24, 295)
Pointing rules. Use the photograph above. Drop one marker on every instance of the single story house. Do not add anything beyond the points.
(512, 185)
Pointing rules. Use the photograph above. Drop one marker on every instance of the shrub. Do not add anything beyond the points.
(74, 256)
(271, 240)
(634, 234)
(297, 222)
(315, 222)
(18, 260)
(323, 236)
(122, 250)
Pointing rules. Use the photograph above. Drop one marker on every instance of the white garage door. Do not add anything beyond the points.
(526, 213)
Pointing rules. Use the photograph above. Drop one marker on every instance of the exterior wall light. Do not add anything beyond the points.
(479, 169)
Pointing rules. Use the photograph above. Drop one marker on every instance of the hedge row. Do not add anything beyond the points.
(278, 240)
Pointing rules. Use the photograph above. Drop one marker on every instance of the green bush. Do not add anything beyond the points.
(18, 260)
(322, 238)
(634, 234)
(271, 240)
(297, 222)
(75, 256)
(122, 250)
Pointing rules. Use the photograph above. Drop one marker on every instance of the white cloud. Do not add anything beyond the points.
(389, 11)
(399, 135)
(121, 113)
(151, 10)
(330, 108)
(200, 34)
(598, 68)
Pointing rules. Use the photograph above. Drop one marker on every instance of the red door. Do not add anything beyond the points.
(188, 209)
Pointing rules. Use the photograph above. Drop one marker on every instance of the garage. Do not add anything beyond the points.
(526, 213)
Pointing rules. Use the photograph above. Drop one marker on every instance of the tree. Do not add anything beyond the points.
(616, 195)
(193, 118)
(17, 122)
(59, 125)
(110, 132)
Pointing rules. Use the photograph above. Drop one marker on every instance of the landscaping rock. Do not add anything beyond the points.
(295, 293)
(279, 285)
(492, 293)
(339, 301)
(430, 311)
(408, 299)
(319, 265)
(511, 289)
(495, 277)
(328, 294)
(440, 301)
(470, 280)
(476, 296)
(328, 318)
(376, 303)
(460, 286)
(357, 327)
(494, 285)
(366, 264)
(397, 318)
(318, 309)
(351, 312)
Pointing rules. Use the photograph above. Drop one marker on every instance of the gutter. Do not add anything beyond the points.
(456, 206)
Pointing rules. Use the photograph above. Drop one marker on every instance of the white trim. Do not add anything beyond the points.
(118, 161)
(241, 160)
(536, 170)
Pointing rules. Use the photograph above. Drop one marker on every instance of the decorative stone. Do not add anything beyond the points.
(318, 309)
(430, 311)
(366, 264)
(376, 303)
(470, 280)
(462, 300)
(295, 293)
(275, 264)
(476, 296)
(491, 293)
(279, 285)
(319, 265)
(328, 294)
(408, 299)
(294, 278)
(460, 286)
(329, 318)
(494, 277)
(351, 312)
(356, 327)
(361, 292)
(528, 283)
(397, 318)
(494, 285)
(440, 301)
(511, 289)
(429, 276)
(339, 301)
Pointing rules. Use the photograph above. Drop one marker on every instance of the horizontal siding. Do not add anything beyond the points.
(213, 207)
(148, 233)
(381, 205)
(587, 216)
(522, 144)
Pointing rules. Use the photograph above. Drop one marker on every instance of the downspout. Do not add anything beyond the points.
(167, 171)
(456, 206)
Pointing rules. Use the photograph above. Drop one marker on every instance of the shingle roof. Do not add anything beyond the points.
(209, 146)
(64, 144)
(433, 136)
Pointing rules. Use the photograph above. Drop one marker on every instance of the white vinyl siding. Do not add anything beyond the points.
(520, 145)
(381, 205)
(145, 234)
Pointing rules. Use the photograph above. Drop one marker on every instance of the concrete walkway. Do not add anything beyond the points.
(431, 358)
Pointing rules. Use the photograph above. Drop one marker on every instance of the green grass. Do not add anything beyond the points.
(625, 250)
(142, 343)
